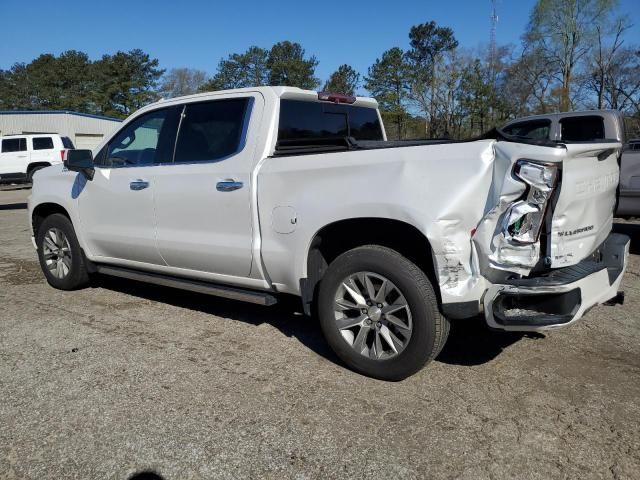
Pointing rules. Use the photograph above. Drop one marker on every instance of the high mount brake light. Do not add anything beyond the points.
(336, 97)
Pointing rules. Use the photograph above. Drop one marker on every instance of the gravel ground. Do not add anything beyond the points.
(123, 378)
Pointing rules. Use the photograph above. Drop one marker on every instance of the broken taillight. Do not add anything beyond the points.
(525, 218)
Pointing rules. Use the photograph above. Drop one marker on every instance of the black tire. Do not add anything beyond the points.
(77, 276)
(430, 328)
(31, 172)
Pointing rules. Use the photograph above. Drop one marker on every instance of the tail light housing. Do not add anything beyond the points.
(524, 218)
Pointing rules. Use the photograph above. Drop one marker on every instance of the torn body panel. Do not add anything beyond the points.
(490, 210)
(575, 214)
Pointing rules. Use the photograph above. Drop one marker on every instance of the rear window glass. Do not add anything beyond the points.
(66, 142)
(582, 129)
(211, 130)
(537, 129)
(14, 145)
(43, 143)
(301, 120)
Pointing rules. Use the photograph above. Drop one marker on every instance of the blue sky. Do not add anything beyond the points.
(197, 34)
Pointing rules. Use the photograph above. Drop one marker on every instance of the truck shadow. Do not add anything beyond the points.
(286, 315)
(146, 475)
(632, 230)
(470, 341)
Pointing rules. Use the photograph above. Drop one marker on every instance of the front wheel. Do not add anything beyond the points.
(60, 255)
(379, 313)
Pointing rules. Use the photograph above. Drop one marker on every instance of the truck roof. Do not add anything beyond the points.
(281, 92)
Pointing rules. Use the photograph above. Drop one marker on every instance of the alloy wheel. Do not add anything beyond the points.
(373, 315)
(56, 251)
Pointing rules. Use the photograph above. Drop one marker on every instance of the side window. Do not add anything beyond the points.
(211, 130)
(582, 128)
(535, 129)
(67, 143)
(43, 143)
(14, 145)
(138, 143)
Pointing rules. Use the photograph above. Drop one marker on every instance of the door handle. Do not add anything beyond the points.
(138, 184)
(228, 186)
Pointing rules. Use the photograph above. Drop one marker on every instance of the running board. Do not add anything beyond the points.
(234, 293)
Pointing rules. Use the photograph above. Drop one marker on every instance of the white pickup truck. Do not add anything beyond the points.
(251, 193)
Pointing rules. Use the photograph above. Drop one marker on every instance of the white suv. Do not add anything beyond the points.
(22, 155)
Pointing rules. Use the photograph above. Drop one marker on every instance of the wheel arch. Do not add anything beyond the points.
(340, 236)
(33, 165)
(44, 210)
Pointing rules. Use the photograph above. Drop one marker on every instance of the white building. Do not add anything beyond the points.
(86, 131)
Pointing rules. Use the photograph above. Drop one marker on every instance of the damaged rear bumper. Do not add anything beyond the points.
(559, 297)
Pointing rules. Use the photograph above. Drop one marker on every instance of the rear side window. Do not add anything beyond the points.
(66, 142)
(211, 131)
(582, 129)
(535, 129)
(14, 145)
(301, 120)
(43, 143)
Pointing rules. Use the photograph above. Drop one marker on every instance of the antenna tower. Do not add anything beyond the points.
(492, 38)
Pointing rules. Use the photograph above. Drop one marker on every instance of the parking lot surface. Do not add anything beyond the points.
(124, 378)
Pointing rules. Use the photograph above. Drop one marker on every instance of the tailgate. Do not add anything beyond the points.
(556, 219)
(583, 214)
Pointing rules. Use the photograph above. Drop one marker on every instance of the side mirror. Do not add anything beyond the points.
(80, 161)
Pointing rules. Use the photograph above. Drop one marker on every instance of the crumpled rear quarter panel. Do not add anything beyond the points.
(442, 190)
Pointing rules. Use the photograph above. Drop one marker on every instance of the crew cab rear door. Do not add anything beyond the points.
(203, 200)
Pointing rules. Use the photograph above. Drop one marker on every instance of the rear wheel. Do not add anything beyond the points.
(379, 313)
(60, 255)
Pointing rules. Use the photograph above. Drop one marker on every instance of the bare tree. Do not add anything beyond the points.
(564, 31)
(603, 60)
(181, 81)
(528, 83)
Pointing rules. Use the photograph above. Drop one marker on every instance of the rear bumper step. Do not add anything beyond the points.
(233, 293)
(562, 296)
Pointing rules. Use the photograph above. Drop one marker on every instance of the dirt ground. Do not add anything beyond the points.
(124, 378)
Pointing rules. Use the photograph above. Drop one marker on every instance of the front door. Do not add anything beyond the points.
(203, 200)
(117, 207)
(14, 157)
